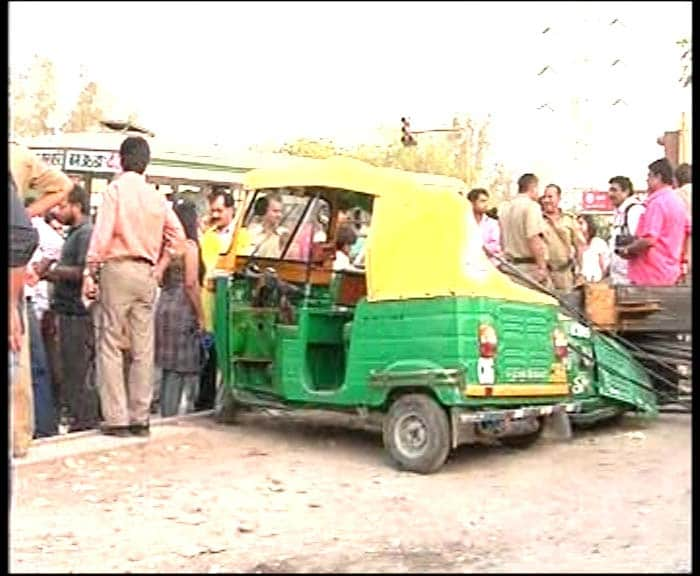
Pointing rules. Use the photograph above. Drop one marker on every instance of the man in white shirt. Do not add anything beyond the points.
(265, 237)
(37, 299)
(50, 244)
(628, 210)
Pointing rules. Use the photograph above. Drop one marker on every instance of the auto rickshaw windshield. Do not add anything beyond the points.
(282, 224)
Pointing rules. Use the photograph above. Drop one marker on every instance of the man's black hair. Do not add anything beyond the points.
(224, 193)
(474, 194)
(684, 174)
(624, 183)
(525, 181)
(345, 236)
(78, 195)
(556, 187)
(261, 204)
(135, 154)
(662, 168)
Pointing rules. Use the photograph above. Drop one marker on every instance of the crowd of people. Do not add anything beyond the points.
(141, 262)
(649, 242)
(125, 301)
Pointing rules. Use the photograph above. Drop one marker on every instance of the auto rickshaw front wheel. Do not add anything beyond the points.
(226, 408)
(416, 433)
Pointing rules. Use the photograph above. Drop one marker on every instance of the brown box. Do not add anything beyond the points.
(600, 304)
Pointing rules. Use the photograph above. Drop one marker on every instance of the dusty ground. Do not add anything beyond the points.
(280, 495)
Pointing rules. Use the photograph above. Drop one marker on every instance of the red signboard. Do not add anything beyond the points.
(597, 200)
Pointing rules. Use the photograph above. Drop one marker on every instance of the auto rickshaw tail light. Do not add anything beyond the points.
(488, 341)
(561, 344)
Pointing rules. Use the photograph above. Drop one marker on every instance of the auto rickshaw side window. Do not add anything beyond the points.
(360, 219)
(313, 230)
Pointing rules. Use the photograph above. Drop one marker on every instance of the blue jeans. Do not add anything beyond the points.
(45, 421)
(177, 388)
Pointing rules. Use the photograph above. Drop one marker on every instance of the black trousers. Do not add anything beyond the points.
(77, 350)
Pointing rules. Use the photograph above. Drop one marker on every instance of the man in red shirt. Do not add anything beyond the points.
(133, 224)
(656, 254)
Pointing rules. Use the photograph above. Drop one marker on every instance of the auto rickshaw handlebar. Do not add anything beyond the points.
(271, 279)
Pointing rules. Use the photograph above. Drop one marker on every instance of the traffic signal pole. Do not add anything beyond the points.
(408, 135)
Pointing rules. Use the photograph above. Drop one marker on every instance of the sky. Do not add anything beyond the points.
(240, 73)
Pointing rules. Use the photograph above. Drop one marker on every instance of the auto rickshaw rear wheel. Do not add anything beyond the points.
(416, 433)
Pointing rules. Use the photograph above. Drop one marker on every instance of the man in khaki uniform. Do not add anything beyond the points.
(563, 239)
(30, 174)
(522, 230)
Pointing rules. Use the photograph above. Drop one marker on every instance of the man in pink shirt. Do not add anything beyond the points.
(490, 230)
(656, 254)
(133, 224)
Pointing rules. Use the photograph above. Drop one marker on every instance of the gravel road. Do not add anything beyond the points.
(284, 494)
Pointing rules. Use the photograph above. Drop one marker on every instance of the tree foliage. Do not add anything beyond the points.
(33, 99)
(87, 112)
(500, 185)
(33, 102)
(310, 148)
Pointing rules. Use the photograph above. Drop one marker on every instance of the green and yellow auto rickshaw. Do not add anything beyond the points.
(430, 337)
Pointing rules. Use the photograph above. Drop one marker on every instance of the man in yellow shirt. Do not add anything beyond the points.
(215, 241)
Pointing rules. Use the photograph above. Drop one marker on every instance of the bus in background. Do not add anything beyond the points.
(92, 160)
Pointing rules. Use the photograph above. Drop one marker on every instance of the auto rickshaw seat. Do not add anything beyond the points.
(352, 287)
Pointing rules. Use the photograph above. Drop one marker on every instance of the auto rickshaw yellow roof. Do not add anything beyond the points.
(336, 172)
(440, 181)
(427, 245)
(423, 241)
